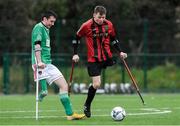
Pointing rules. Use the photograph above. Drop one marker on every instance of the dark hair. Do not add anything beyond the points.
(100, 9)
(48, 13)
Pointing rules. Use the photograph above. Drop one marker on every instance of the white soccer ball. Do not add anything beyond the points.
(118, 113)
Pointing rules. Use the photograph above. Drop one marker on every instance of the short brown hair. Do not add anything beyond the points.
(100, 9)
(48, 13)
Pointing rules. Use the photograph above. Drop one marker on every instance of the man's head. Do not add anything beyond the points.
(99, 14)
(48, 18)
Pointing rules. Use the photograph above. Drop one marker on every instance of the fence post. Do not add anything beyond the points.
(58, 35)
(103, 77)
(26, 75)
(6, 73)
(123, 73)
(145, 36)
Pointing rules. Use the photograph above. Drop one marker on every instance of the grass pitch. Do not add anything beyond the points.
(160, 109)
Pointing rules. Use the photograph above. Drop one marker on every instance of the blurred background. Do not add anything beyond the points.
(149, 32)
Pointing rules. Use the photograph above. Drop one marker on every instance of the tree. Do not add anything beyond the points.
(18, 18)
(14, 23)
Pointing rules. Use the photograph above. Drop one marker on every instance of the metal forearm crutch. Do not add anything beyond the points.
(133, 80)
(37, 88)
(70, 79)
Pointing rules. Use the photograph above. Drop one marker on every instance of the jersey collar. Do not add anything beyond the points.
(44, 26)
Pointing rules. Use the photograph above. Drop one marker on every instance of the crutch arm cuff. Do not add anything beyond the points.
(75, 44)
(116, 45)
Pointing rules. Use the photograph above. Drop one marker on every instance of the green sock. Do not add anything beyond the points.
(66, 103)
(44, 90)
(43, 85)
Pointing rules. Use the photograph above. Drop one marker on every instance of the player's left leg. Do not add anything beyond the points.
(91, 93)
(57, 77)
(63, 95)
(94, 71)
(42, 75)
(44, 91)
(64, 98)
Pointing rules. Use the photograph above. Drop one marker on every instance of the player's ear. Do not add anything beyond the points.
(94, 15)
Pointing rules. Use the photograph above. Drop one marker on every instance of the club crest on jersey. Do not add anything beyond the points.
(47, 42)
(40, 72)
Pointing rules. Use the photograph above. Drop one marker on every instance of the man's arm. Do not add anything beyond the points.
(116, 45)
(37, 49)
(75, 43)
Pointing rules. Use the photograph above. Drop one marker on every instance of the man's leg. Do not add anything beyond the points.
(44, 90)
(90, 96)
(64, 98)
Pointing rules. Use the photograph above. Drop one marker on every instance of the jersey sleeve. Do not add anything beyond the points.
(82, 31)
(112, 30)
(37, 34)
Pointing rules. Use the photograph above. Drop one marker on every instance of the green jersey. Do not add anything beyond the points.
(41, 33)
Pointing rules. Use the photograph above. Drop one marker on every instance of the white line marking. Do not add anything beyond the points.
(27, 111)
(151, 111)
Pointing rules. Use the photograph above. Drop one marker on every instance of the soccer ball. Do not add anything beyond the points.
(118, 113)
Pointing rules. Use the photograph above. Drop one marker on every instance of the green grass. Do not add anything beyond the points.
(20, 110)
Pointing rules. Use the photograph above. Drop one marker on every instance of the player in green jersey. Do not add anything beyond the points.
(47, 72)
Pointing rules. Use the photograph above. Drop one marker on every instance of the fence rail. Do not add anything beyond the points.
(147, 69)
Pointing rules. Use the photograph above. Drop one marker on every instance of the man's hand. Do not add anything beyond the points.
(75, 58)
(123, 55)
(41, 65)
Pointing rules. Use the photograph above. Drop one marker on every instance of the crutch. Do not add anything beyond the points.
(70, 79)
(133, 80)
(37, 88)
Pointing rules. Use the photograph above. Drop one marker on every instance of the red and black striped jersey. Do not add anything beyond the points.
(97, 39)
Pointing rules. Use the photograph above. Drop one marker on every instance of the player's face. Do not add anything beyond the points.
(50, 21)
(99, 19)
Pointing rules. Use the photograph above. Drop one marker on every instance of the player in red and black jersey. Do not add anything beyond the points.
(100, 35)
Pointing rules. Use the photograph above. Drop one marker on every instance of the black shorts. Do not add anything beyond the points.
(95, 68)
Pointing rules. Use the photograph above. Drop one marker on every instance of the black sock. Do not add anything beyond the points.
(90, 96)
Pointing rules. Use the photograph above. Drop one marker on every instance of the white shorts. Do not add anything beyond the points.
(50, 73)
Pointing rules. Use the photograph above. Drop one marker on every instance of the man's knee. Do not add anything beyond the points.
(96, 84)
(64, 87)
(62, 84)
